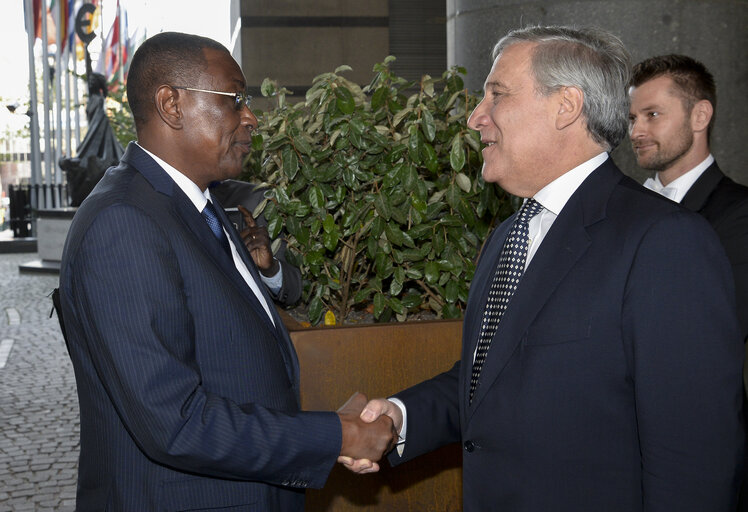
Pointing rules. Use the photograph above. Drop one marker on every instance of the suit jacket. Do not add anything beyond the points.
(613, 381)
(189, 395)
(724, 204)
(231, 193)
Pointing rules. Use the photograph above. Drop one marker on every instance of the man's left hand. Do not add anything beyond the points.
(257, 241)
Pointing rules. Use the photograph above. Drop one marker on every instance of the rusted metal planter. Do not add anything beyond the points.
(380, 359)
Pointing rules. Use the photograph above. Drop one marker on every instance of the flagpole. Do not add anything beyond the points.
(36, 170)
(76, 97)
(68, 104)
(47, 138)
(58, 105)
(119, 47)
(76, 102)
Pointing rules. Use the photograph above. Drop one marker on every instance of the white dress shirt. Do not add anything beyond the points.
(553, 197)
(200, 198)
(677, 189)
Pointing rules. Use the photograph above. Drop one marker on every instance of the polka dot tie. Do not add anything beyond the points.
(508, 274)
(211, 217)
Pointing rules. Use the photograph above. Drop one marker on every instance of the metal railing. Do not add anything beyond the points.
(22, 213)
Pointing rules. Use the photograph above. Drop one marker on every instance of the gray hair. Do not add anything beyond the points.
(591, 59)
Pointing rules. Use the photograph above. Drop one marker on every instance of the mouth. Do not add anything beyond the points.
(244, 146)
(643, 146)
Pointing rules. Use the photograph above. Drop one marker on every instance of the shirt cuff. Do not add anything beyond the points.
(404, 430)
(275, 282)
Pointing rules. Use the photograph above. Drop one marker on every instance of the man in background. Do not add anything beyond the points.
(673, 102)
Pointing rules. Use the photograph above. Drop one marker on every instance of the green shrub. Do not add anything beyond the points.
(379, 191)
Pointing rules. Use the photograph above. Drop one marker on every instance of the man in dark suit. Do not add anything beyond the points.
(187, 380)
(606, 376)
(281, 278)
(673, 100)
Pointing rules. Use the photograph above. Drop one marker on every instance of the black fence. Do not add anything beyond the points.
(22, 212)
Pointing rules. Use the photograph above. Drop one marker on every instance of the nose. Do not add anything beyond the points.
(478, 117)
(636, 129)
(248, 118)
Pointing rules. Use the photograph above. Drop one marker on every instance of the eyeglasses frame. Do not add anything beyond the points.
(240, 98)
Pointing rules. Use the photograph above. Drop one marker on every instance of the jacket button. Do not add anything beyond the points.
(469, 446)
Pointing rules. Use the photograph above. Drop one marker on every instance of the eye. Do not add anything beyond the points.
(241, 99)
(653, 114)
(495, 95)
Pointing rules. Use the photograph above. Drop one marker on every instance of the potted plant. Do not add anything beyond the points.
(378, 191)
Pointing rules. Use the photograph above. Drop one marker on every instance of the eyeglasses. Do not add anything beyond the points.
(240, 98)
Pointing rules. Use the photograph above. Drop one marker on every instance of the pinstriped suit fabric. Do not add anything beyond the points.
(189, 395)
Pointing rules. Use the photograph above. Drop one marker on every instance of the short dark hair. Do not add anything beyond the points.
(170, 58)
(692, 80)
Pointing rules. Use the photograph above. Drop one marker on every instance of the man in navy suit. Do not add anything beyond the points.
(601, 366)
(673, 101)
(187, 380)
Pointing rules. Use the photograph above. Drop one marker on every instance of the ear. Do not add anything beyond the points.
(570, 104)
(169, 107)
(701, 114)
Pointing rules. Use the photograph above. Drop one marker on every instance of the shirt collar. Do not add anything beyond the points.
(198, 197)
(683, 183)
(554, 196)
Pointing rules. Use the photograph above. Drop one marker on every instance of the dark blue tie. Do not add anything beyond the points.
(508, 274)
(210, 216)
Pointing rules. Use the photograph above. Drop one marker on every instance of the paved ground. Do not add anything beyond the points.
(38, 404)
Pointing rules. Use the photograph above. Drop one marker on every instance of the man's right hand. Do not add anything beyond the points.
(375, 410)
(365, 440)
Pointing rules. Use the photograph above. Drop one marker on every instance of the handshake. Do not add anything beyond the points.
(370, 430)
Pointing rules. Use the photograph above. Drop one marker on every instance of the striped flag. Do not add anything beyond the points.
(38, 19)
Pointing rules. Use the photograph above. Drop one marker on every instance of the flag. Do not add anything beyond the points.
(61, 33)
(37, 19)
(72, 9)
(52, 32)
(37, 14)
(133, 42)
(111, 53)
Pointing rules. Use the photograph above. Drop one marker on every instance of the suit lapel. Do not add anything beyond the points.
(697, 195)
(193, 222)
(563, 245)
(281, 334)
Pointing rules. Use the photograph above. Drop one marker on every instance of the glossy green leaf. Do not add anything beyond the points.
(450, 291)
(344, 100)
(290, 163)
(382, 205)
(396, 304)
(330, 240)
(378, 98)
(427, 125)
(379, 303)
(457, 154)
(431, 270)
(316, 310)
(316, 198)
(463, 182)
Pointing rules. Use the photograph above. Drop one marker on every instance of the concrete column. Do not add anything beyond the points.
(711, 31)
